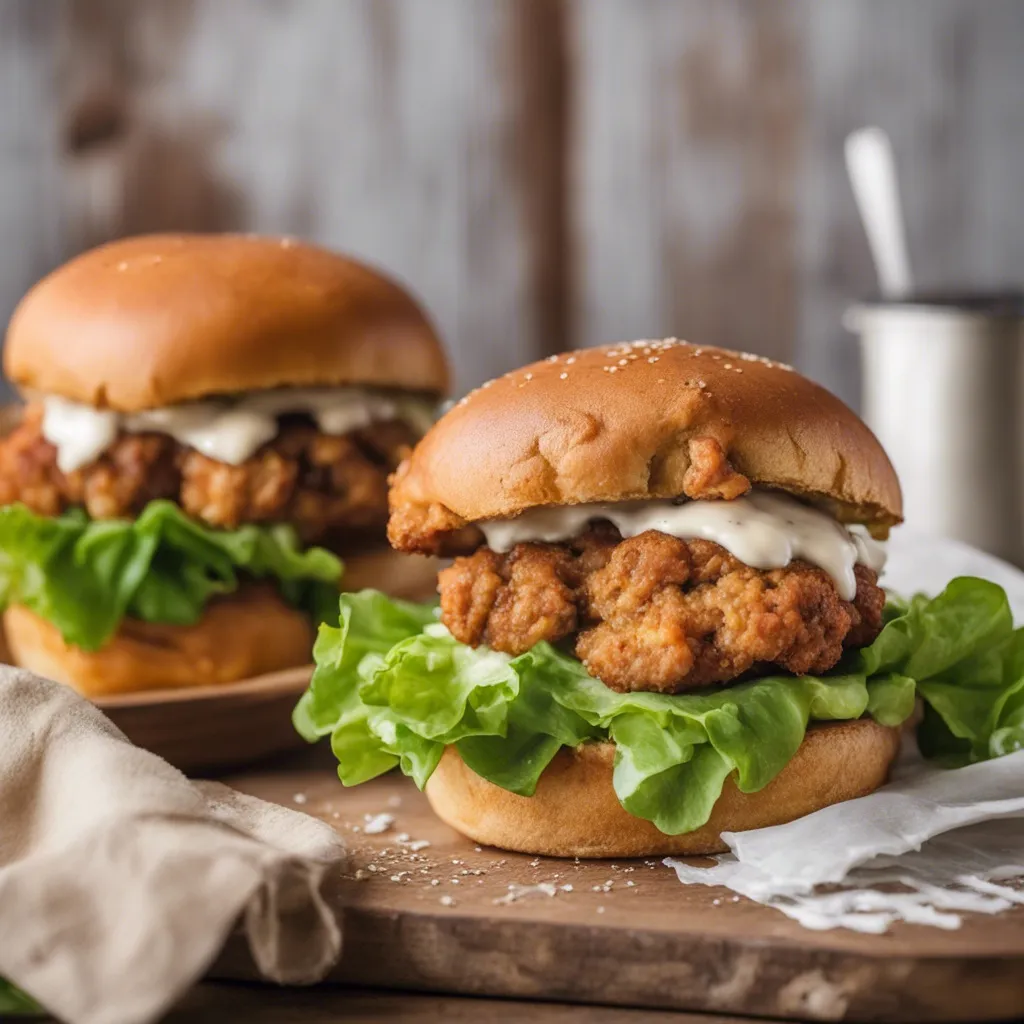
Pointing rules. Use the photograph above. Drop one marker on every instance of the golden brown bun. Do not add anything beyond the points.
(615, 424)
(247, 634)
(575, 812)
(158, 319)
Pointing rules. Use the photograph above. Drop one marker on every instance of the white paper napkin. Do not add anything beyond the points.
(931, 845)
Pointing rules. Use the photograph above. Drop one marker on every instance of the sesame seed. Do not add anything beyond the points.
(702, 383)
(552, 359)
(623, 362)
(653, 359)
(570, 361)
(661, 380)
(612, 369)
(727, 366)
(563, 376)
(528, 376)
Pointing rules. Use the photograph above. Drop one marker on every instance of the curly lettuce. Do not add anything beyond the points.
(85, 575)
(392, 688)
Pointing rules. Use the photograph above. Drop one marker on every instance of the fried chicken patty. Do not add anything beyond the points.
(321, 483)
(655, 612)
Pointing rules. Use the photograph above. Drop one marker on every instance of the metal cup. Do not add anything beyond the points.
(942, 391)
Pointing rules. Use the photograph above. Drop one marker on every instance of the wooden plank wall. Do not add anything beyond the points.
(544, 173)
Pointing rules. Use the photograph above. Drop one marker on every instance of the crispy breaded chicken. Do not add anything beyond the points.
(321, 483)
(655, 612)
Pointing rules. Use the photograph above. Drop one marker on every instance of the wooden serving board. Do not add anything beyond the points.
(440, 919)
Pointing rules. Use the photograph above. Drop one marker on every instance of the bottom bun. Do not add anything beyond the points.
(575, 812)
(250, 633)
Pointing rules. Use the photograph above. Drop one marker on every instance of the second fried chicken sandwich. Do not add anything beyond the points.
(663, 619)
(210, 422)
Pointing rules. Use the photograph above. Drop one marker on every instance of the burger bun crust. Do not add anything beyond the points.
(575, 812)
(248, 634)
(617, 424)
(158, 319)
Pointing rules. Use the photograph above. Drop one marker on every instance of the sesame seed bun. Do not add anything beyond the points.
(575, 812)
(615, 424)
(150, 321)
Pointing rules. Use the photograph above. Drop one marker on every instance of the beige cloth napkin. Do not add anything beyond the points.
(120, 879)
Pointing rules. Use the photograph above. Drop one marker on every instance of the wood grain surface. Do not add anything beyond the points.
(544, 173)
(217, 1002)
(440, 918)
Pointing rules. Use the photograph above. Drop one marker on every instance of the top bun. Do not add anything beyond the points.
(616, 424)
(150, 321)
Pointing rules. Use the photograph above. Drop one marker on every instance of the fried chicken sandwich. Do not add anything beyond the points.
(663, 620)
(210, 423)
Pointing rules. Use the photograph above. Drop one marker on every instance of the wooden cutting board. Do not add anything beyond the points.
(442, 918)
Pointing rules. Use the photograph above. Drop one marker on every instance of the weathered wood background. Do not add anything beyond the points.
(543, 173)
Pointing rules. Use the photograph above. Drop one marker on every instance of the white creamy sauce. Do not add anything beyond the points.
(763, 529)
(228, 430)
(78, 432)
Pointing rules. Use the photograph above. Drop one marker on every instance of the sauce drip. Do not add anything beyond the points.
(763, 529)
(228, 430)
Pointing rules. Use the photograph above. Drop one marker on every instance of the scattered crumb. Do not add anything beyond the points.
(361, 875)
(378, 823)
(447, 901)
(535, 863)
(517, 892)
(715, 903)
(630, 883)
(567, 887)
(435, 881)
(478, 849)
(600, 910)
(300, 798)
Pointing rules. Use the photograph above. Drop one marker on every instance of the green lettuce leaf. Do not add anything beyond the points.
(85, 575)
(17, 1003)
(393, 687)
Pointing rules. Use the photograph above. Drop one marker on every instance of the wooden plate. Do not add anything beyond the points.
(207, 729)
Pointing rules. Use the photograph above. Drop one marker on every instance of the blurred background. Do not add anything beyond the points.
(542, 173)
